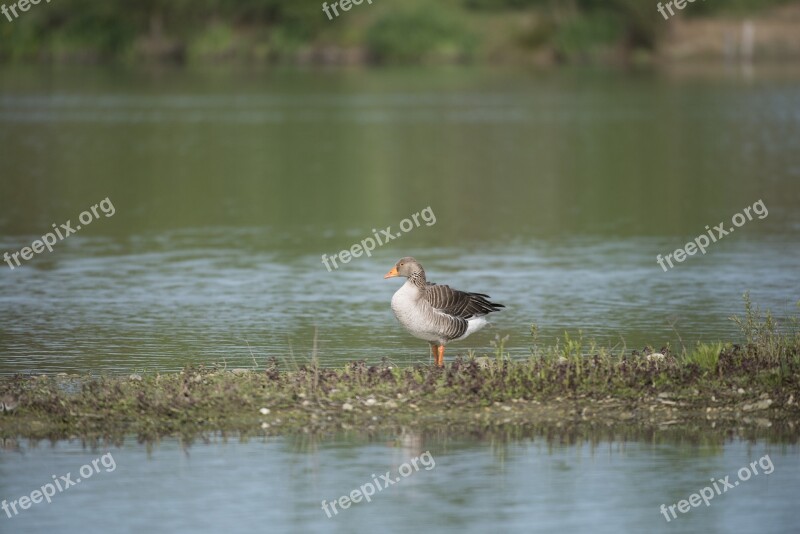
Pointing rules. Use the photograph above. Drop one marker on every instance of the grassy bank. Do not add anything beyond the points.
(413, 31)
(565, 386)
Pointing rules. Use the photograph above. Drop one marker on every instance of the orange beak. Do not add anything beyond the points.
(392, 273)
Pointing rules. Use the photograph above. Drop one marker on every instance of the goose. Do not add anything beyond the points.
(438, 314)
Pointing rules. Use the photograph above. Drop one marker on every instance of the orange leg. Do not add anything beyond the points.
(440, 356)
(435, 351)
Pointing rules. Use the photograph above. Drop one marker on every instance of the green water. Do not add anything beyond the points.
(553, 192)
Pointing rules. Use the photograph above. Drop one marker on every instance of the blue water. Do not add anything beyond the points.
(527, 485)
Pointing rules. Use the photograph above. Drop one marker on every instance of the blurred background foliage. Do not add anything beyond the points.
(410, 31)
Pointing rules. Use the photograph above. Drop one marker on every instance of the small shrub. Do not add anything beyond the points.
(419, 35)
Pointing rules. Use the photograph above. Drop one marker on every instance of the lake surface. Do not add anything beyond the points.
(462, 485)
(553, 192)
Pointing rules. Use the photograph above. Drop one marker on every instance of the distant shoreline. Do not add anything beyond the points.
(421, 34)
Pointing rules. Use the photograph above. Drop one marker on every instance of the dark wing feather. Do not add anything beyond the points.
(459, 303)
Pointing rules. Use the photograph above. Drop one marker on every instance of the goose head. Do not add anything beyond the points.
(407, 267)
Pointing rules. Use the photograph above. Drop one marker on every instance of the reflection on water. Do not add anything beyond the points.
(525, 485)
(553, 193)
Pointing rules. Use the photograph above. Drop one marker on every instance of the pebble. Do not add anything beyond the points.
(347, 407)
(760, 405)
(264, 411)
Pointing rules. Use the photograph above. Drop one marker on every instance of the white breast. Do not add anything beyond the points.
(413, 313)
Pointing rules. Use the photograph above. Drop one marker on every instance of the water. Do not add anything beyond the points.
(464, 485)
(554, 193)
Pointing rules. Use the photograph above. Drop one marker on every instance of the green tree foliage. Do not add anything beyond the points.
(390, 29)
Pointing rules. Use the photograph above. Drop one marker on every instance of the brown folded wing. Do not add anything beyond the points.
(459, 303)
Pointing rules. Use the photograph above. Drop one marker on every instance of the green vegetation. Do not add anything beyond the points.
(425, 33)
(758, 381)
(278, 30)
(706, 356)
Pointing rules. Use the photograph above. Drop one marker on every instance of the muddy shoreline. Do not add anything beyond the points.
(633, 395)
